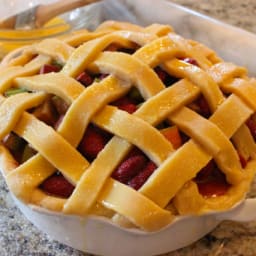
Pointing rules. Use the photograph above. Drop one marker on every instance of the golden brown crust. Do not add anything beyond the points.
(226, 88)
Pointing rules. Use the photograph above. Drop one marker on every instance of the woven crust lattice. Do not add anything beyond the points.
(227, 89)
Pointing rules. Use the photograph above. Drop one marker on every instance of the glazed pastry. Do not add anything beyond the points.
(135, 124)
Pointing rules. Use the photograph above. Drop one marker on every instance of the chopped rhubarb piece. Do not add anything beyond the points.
(15, 145)
(27, 153)
(57, 185)
(142, 176)
(92, 142)
(58, 122)
(126, 104)
(129, 168)
(172, 134)
(85, 79)
(46, 113)
(49, 68)
(60, 105)
(14, 91)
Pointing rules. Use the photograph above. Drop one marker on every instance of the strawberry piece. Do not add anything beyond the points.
(243, 161)
(137, 181)
(204, 107)
(85, 79)
(129, 168)
(130, 108)
(163, 75)
(206, 172)
(92, 142)
(251, 124)
(112, 47)
(126, 104)
(57, 185)
(191, 61)
(213, 188)
(135, 152)
(211, 181)
(46, 68)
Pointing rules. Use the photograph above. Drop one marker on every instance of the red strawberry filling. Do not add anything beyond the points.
(126, 104)
(201, 106)
(251, 124)
(136, 168)
(137, 181)
(211, 181)
(204, 108)
(165, 77)
(129, 168)
(57, 185)
(93, 141)
(190, 61)
(243, 160)
(48, 68)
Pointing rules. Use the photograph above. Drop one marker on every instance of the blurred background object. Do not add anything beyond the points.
(76, 18)
(12, 7)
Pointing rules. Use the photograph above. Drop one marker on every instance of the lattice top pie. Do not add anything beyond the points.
(136, 124)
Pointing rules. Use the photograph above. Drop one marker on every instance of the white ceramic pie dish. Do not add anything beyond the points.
(99, 236)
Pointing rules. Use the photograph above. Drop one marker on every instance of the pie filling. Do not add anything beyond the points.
(136, 168)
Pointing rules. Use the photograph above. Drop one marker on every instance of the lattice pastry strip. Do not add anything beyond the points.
(9, 73)
(109, 60)
(20, 79)
(230, 75)
(156, 46)
(70, 91)
(37, 83)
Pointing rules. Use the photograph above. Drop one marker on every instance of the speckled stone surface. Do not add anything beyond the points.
(234, 12)
(20, 238)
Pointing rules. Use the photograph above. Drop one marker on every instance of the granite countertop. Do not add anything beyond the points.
(20, 238)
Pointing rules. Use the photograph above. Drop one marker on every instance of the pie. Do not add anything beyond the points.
(137, 124)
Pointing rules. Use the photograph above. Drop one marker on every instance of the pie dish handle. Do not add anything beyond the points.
(243, 212)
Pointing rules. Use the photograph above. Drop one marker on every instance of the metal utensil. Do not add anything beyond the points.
(38, 15)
